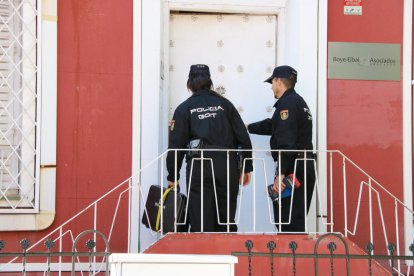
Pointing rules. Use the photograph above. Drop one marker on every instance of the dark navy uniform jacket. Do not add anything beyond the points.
(290, 128)
(212, 118)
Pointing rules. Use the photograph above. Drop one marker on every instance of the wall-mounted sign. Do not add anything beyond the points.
(364, 61)
(353, 7)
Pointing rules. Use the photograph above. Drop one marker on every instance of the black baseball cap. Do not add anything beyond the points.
(283, 71)
(199, 69)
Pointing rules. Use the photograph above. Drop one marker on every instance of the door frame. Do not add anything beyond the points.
(278, 9)
(407, 105)
(151, 57)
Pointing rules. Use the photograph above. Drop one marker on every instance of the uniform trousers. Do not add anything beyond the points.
(297, 222)
(214, 216)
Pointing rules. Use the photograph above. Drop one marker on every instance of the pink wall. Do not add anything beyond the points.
(365, 117)
(94, 113)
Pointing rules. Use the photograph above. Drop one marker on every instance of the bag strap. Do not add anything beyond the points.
(164, 196)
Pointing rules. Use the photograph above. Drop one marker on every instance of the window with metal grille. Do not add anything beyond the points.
(18, 105)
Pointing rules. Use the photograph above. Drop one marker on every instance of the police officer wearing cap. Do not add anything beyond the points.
(207, 120)
(291, 129)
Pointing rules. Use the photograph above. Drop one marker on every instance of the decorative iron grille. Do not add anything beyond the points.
(91, 259)
(18, 104)
(338, 262)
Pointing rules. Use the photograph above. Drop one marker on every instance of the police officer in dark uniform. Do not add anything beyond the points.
(208, 121)
(291, 129)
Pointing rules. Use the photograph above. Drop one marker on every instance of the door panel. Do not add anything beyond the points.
(240, 51)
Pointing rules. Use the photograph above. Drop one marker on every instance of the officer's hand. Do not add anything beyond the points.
(171, 184)
(276, 184)
(245, 178)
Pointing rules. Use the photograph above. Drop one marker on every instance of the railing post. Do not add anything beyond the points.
(293, 246)
(175, 182)
(370, 249)
(331, 191)
(249, 245)
(371, 225)
(228, 191)
(391, 248)
(90, 244)
(129, 213)
(202, 190)
(279, 170)
(305, 210)
(332, 248)
(338, 236)
(49, 245)
(2, 245)
(95, 207)
(411, 249)
(24, 244)
(271, 246)
(254, 188)
(397, 234)
(175, 198)
(162, 201)
(60, 249)
(345, 197)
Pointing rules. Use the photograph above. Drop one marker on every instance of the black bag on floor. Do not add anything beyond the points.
(153, 210)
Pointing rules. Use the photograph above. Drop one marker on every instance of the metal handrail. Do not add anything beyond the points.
(126, 186)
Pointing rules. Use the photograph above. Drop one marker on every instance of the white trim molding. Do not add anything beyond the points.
(407, 105)
(322, 101)
(136, 122)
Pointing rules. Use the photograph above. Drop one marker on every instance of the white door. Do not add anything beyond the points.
(240, 51)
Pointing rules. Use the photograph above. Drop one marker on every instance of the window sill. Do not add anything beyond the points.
(46, 215)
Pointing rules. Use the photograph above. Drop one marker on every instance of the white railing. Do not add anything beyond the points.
(348, 201)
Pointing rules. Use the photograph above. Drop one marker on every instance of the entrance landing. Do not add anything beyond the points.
(226, 244)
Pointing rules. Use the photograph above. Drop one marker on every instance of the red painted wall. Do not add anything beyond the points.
(365, 117)
(94, 111)
(229, 244)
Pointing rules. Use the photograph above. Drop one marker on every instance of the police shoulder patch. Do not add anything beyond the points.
(284, 114)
